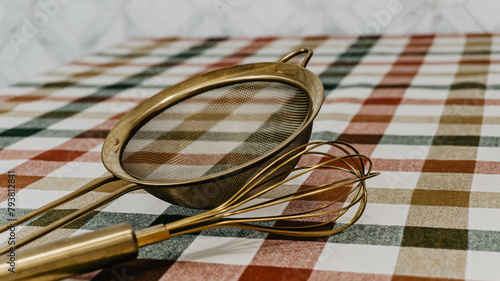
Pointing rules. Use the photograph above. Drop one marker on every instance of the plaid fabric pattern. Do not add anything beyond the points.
(426, 109)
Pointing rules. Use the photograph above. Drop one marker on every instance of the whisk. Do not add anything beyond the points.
(347, 170)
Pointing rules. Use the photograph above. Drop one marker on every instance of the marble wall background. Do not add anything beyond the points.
(37, 35)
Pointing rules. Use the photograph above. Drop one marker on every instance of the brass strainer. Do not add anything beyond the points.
(196, 143)
(217, 140)
(202, 139)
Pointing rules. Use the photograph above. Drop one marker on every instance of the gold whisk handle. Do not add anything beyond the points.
(76, 255)
(152, 234)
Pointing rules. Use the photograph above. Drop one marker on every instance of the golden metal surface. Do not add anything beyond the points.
(307, 51)
(152, 235)
(73, 256)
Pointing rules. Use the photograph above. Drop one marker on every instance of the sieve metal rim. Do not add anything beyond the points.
(280, 72)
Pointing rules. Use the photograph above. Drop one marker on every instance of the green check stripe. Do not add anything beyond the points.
(473, 141)
(422, 237)
(346, 62)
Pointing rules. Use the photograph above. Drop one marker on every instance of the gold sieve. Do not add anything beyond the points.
(196, 143)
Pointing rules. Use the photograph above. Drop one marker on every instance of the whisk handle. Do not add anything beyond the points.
(76, 255)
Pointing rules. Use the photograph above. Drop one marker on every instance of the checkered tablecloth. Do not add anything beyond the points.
(426, 109)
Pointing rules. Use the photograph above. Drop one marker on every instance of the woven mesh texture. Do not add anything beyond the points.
(215, 131)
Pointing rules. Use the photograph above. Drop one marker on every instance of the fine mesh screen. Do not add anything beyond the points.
(214, 131)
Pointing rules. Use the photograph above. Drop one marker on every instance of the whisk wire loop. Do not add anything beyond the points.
(223, 216)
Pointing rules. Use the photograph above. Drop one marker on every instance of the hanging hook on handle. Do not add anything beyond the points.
(308, 51)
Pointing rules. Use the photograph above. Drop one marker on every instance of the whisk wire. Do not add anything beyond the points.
(304, 193)
(223, 216)
(303, 214)
(295, 196)
(259, 178)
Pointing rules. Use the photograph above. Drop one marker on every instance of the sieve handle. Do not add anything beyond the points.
(308, 51)
(75, 194)
(73, 216)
